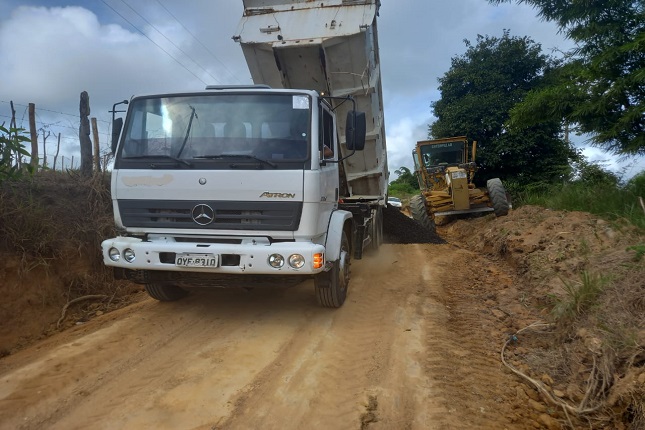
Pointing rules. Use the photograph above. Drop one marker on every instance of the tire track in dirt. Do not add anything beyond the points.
(414, 347)
(211, 364)
(476, 388)
(321, 377)
(156, 355)
(407, 396)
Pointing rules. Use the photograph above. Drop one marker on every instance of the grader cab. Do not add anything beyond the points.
(445, 169)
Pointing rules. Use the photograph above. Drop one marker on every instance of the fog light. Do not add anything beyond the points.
(276, 261)
(114, 254)
(128, 255)
(296, 261)
(319, 260)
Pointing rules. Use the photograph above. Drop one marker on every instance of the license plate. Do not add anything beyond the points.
(196, 260)
(458, 174)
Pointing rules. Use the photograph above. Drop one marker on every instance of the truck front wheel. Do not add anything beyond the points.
(165, 293)
(331, 286)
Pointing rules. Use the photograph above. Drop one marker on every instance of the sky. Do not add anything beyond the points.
(51, 50)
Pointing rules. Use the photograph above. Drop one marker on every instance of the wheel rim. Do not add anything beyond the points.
(343, 269)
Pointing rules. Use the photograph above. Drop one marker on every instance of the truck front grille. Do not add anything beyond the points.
(226, 215)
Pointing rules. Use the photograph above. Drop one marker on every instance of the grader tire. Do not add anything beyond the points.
(420, 213)
(497, 195)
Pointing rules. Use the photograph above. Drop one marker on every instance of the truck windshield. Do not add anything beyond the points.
(443, 153)
(217, 128)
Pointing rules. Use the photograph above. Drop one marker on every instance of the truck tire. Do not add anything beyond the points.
(497, 195)
(331, 286)
(420, 213)
(165, 293)
(376, 230)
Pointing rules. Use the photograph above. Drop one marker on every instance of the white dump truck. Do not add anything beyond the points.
(266, 184)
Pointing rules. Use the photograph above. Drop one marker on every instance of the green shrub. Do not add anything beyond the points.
(578, 297)
(11, 150)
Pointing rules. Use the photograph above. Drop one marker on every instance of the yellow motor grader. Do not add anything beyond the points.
(445, 169)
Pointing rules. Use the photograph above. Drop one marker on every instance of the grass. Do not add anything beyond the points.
(54, 214)
(578, 296)
(639, 251)
(605, 200)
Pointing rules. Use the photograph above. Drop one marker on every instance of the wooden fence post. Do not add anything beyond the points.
(45, 136)
(34, 136)
(84, 136)
(95, 135)
(57, 151)
(12, 124)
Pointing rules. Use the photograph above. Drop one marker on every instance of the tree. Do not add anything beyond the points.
(477, 94)
(405, 183)
(601, 84)
(594, 174)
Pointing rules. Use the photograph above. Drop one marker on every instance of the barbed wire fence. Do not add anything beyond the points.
(46, 138)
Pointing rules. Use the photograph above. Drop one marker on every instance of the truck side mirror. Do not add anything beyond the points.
(355, 131)
(117, 125)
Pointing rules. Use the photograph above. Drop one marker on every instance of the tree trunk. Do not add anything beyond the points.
(84, 136)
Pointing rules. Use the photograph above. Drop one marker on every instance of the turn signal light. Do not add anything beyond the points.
(319, 260)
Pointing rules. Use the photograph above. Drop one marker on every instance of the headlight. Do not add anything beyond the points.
(296, 261)
(276, 261)
(114, 254)
(128, 255)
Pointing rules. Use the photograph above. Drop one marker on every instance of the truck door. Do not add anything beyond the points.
(327, 146)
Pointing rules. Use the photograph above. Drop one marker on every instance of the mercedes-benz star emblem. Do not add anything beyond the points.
(203, 214)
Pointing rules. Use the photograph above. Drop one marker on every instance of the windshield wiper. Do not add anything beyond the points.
(168, 157)
(247, 156)
(193, 115)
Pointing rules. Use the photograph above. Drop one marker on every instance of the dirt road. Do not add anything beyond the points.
(416, 346)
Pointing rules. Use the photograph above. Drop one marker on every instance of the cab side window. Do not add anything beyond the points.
(326, 144)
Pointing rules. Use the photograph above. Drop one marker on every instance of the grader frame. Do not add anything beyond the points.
(445, 169)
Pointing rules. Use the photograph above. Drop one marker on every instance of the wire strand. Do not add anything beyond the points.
(171, 42)
(200, 42)
(157, 45)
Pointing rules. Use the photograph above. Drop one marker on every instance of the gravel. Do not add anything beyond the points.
(399, 228)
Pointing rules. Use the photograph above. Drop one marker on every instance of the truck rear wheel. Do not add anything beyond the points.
(376, 230)
(497, 195)
(420, 213)
(165, 293)
(331, 286)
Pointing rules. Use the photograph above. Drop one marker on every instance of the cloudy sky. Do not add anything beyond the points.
(51, 50)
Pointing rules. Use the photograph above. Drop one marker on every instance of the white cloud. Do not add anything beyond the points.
(625, 168)
(402, 136)
(72, 51)
(51, 54)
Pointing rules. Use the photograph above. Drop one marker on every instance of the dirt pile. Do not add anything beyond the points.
(401, 229)
(50, 232)
(576, 314)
